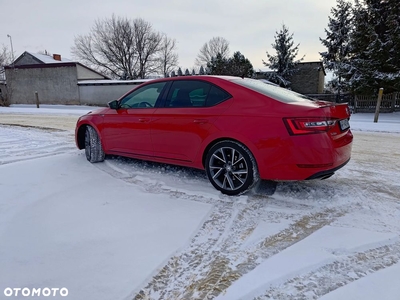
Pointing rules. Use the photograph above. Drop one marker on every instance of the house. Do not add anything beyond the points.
(53, 77)
(308, 79)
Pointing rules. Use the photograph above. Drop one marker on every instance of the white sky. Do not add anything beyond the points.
(249, 26)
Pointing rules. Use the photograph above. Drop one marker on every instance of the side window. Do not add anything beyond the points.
(194, 93)
(188, 93)
(216, 95)
(144, 97)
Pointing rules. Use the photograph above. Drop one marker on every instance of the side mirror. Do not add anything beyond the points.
(113, 104)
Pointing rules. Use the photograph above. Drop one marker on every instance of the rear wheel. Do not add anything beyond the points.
(231, 168)
(93, 150)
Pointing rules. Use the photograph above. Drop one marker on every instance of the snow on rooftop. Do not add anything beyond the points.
(47, 59)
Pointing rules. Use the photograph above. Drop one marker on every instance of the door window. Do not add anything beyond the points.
(144, 97)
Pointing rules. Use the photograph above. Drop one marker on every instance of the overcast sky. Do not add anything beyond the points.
(249, 25)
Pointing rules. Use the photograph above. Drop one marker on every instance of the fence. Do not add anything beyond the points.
(390, 103)
(365, 104)
(343, 98)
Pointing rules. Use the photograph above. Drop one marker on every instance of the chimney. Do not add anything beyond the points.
(57, 57)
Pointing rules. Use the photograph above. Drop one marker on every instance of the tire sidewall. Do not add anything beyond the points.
(88, 144)
(93, 150)
(248, 157)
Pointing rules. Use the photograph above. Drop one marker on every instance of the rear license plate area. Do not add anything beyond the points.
(344, 124)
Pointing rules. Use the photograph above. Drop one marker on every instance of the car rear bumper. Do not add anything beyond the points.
(327, 173)
(314, 157)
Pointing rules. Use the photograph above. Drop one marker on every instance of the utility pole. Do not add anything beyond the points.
(12, 49)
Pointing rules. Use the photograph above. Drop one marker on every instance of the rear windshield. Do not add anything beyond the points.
(274, 92)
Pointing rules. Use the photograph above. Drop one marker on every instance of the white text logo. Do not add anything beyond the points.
(27, 292)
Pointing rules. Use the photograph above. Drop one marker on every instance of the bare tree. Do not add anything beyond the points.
(168, 58)
(211, 49)
(120, 48)
(109, 47)
(5, 59)
(148, 44)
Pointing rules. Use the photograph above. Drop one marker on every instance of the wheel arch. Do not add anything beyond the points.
(230, 139)
(80, 136)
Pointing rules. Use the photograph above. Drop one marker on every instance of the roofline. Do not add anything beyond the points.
(98, 73)
(32, 56)
(42, 65)
(53, 65)
(303, 62)
(315, 62)
(311, 62)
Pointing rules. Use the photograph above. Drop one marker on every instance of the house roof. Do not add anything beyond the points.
(303, 63)
(39, 59)
(319, 63)
(46, 61)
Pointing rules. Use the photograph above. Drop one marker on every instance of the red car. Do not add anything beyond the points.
(238, 130)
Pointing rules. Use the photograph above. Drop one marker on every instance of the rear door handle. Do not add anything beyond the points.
(144, 120)
(200, 121)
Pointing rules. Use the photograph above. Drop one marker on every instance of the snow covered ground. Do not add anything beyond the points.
(126, 229)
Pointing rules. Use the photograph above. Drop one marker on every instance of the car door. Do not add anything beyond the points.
(186, 119)
(127, 129)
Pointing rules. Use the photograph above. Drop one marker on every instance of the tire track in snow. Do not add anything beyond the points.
(19, 143)
(204, 270)
(330, 277)
(218, 255)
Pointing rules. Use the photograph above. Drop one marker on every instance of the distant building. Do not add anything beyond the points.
(308, 79)
(53, 77)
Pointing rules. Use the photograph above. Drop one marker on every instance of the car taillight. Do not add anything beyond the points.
(297, 126)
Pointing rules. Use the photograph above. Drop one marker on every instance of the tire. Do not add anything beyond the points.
(231, 168)
(93, 149)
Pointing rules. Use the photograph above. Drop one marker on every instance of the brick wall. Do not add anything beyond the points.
(309, 79)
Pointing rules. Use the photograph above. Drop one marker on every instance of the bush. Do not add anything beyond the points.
(4, 101)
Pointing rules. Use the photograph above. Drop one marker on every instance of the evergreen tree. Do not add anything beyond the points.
(173, 74)
(187, 73)
(218, 65)
(193, 72)
(238, 65)
(180, 72)
(375, 45)
(284, 62)
(393, 38)
(337, 42)
(202, 72)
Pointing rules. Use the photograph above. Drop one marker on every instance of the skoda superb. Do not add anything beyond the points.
(238, 130)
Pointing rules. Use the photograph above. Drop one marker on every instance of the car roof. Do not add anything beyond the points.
(196, 77)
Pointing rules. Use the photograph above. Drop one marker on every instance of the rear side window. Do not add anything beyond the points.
(216, 95)
(194, 93)
(274, 92)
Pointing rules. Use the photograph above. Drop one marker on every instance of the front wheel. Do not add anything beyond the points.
(93, 149)
(231, 168)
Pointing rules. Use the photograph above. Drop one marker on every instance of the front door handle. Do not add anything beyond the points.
(200, 121)
(144, 120)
